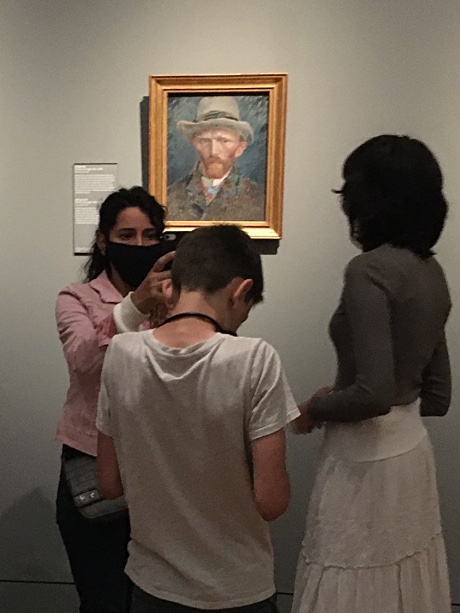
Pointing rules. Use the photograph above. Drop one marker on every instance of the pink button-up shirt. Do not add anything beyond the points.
(84, 315)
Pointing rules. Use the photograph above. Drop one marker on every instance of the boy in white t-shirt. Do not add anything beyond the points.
(191, 428)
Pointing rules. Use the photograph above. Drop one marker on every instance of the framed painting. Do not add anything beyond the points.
(216, 149)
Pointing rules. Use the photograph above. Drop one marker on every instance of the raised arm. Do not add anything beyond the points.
(84, 341)
(85, 338)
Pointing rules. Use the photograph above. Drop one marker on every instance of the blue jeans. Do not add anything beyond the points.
(146, 603)
(97, 554)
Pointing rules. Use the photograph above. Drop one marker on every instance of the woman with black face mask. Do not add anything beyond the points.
(121, 292)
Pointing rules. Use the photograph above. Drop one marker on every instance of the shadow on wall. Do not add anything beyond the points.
(144, 107)
(34, 572)
(31, 548)
(38, 598)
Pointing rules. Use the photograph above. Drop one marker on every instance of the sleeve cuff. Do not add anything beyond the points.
(127, 317)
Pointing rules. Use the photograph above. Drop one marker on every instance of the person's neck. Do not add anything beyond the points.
(191, 330)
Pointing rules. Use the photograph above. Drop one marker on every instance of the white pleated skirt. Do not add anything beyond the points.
(373, 542)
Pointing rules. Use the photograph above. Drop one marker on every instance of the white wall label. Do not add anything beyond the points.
(92, 183)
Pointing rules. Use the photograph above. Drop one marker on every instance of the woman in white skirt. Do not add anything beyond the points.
(373, 541)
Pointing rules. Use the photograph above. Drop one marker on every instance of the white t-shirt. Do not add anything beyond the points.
(182, 421)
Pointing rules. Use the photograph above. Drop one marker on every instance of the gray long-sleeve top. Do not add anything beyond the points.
(388, 331)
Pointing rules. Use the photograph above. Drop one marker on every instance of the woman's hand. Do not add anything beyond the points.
(148, 297)
(306, 423)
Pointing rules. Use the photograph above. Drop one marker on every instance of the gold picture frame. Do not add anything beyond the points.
(198, 126)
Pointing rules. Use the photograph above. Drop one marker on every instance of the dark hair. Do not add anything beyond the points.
(209, 258)
(392, 193)
(108, 215)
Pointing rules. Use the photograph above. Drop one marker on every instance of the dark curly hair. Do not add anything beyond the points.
(108, 215)
(392, 193)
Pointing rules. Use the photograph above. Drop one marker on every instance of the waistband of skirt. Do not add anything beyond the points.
(386, 436)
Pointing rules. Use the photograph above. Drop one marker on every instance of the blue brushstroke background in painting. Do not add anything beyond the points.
(181, 154)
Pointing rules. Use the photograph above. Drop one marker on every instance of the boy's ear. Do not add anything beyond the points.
(169, 293)
(100, 241)
(242, 287)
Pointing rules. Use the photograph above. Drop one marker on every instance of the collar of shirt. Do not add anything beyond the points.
(211, 186)
(105, 288)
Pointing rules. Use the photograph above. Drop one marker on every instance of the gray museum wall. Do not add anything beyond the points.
(73, 76)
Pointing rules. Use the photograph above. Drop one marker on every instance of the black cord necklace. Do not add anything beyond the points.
(197, 315)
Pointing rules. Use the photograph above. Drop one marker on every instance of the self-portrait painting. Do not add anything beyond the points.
(217, 150)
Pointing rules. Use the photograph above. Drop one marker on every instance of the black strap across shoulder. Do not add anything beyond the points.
(197, 315)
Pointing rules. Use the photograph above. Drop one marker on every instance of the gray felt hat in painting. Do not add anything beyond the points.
(217, 112)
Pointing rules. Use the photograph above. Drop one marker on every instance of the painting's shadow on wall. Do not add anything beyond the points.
(144, 125)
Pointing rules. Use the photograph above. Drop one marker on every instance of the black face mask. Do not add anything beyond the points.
(133, 262)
